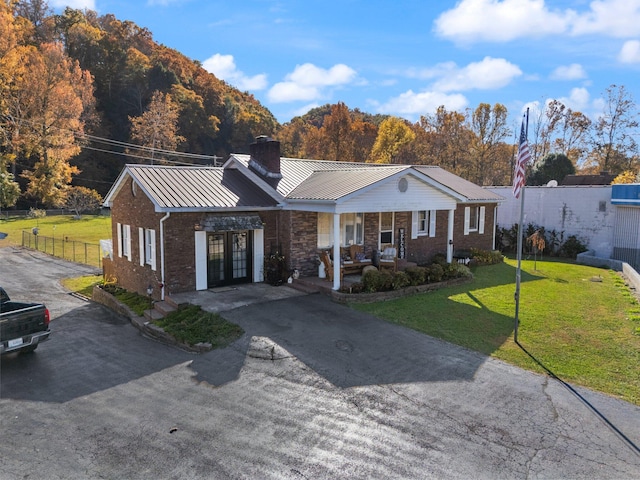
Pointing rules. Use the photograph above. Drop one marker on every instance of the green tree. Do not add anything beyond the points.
(553, 166)
(9, 189)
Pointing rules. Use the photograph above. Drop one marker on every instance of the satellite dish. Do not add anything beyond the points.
(552, 183)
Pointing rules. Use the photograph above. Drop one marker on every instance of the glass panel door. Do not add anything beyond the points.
(215, 258)
(240, 254)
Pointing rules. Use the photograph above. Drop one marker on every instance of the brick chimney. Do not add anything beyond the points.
(265, 157)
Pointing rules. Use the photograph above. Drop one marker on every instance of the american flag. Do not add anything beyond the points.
(521, 162)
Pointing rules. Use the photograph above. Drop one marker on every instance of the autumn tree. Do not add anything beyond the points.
(613, 143)
(489, 127)
(392, 135)
(627, 176)
(82, 199)
(156, 129)
(447, 141)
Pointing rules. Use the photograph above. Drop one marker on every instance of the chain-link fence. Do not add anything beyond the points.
(62, 247)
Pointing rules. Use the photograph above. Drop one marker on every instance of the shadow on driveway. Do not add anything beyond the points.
(346, 347)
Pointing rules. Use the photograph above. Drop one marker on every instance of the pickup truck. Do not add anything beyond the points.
(22, 325)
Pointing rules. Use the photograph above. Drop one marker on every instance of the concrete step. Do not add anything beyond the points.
(164, 308)
(152, 315)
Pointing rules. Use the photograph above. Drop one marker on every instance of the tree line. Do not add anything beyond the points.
(83, 94)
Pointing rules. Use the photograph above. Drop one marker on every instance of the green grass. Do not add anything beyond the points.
(192, 325)
(62, 236)
(88, 228)
(82, 285)
(585, 331)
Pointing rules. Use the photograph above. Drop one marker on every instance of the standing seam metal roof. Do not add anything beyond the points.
(199, 187)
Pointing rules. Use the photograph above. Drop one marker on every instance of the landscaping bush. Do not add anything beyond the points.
(417, 275)
(136, 302)
(371, 281)
(440, 259)
(572, 247)
(400, 280)
(486, 257)
(456, 270)
(435, 273)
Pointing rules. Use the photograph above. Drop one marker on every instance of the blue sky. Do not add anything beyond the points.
(403, 58)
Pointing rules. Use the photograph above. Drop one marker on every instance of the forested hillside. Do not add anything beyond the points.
(83, 94)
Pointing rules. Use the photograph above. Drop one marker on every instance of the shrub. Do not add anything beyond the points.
(400, 280)
(457, 270)
(435, 272)
(37, 213)
(486, 257)
(386, 280)
(440, 259)
(572, 247)
(417, 275)
(371, 281)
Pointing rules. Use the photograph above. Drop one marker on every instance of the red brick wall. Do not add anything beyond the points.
(136, 211)
(293, 233)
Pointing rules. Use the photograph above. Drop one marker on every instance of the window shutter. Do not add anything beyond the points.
(414, 225)
(152, 233)
(119, 230)
(128, 230)
(432, 223)
(481, 221)
(467, 215)
(141, 245)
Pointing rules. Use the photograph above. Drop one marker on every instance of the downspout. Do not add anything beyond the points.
(450, 236)
(162, 253)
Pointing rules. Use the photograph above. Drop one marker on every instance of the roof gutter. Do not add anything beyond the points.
(162, 256)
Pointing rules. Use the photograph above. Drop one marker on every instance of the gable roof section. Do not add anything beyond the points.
(336, 184)
(467, 189)
(304, 179)
(194, 188)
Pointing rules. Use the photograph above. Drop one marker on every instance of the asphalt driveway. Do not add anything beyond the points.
(312, 390)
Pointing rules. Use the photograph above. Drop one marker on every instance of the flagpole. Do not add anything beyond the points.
(519, 255)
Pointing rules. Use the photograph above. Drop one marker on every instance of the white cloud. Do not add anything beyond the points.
(578, 99)
(630, 52)
(308, 82)
(411, 103)
(494, 20)
(569, 72)
(224, 67)
(489, 73)
(77, 4)
(616, 18)
(505, 20)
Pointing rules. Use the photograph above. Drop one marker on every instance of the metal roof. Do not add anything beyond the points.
(469, 190)
(301, 179)
(335, 184)
(194, 188)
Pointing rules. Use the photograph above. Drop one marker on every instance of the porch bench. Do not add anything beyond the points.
(352, 267)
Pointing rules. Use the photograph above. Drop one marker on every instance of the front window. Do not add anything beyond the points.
(351, 229)
(423, 222)
(474, 219)
(386, 228)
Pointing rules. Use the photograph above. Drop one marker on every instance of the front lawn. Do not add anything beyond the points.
(580, 322)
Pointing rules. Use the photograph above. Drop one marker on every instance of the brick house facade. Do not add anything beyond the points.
(178, 229)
